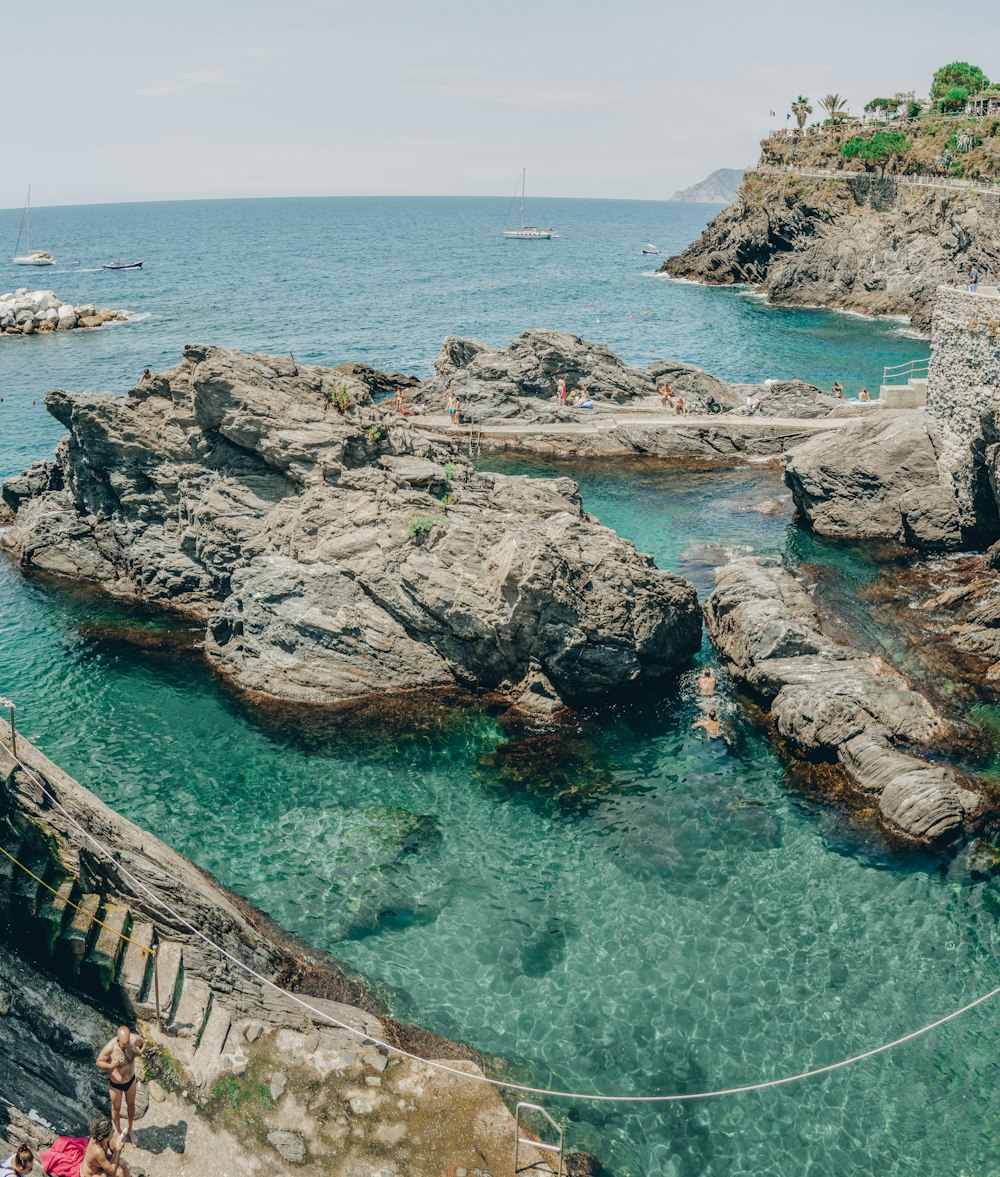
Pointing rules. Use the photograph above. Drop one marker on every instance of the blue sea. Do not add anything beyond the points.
(635, 910)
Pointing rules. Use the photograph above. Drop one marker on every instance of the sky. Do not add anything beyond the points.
(177, 99)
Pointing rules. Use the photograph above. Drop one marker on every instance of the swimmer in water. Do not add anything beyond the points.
(707, 681)
(711, 724)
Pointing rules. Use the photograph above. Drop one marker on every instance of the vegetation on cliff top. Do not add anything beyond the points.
(949, 135)
(964, 147)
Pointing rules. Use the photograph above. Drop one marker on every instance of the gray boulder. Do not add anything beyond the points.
(520, 380)
(787, 398)
(694, 384)
(833, 704)
(877, 478)
(335, 555)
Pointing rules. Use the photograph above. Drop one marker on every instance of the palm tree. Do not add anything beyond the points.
(835, 106)
(802, 110)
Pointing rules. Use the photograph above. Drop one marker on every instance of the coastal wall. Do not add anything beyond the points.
(963, 387)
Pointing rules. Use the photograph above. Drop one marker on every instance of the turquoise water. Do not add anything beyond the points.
(632, 909)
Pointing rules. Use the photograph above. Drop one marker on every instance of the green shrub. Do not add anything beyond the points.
(339, 396)
(421, 525)
(373, 435)
(450, 470)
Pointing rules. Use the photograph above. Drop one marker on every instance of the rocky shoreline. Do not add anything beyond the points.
(332, 553)
(832, 705)
(859, 242)
(29, 312)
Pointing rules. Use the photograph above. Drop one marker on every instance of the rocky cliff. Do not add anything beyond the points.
(878, 246)
(333, 553)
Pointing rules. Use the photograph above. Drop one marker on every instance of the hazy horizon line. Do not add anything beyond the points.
(354, 196)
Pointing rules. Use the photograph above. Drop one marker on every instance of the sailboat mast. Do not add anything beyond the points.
(523, 170)
(27, 213)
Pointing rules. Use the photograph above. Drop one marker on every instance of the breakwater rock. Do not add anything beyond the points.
(833, 705)
(332, 552)
(28, 311)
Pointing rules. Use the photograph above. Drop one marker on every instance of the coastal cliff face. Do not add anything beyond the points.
(861, 243)
(334, 553)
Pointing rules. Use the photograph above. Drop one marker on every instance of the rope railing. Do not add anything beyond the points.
(505, 1085)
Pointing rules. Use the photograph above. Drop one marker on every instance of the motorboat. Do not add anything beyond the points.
(527, 232)
(651, 249)
(30, 257)
(118, 264)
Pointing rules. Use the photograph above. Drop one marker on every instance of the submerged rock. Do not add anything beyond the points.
(331, 552)
(831, 703)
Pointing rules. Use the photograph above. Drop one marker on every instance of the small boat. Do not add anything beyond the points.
(528, 232)
(650, 248)
(30, 257)
(118, 264)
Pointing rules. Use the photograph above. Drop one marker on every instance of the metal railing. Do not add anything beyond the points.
(541, 1146)
(904, 373)
(911, 181)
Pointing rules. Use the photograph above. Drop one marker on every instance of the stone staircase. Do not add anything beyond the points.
(911, 395)
(108, 959)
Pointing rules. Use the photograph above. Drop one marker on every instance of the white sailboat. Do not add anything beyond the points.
(528, 232)
(31, 257)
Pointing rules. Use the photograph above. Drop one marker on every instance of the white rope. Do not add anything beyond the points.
(499, 1083)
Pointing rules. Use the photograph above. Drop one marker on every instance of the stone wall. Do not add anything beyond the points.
(963, 391)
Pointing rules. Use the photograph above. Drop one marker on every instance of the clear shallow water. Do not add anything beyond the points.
(648, 911)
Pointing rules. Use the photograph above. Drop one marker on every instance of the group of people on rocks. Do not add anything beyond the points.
(838, 392)
(99, 1155)
(673, 404)
(577, 398)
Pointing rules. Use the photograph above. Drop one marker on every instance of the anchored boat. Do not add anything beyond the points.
(31, 257)
(528, 232)
(118, 264)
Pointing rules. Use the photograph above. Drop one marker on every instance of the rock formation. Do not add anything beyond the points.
(877, 478)
(831, 704)
(879, 246)
(924, 478)
(520, 380)
(331, 551)
(24, 312)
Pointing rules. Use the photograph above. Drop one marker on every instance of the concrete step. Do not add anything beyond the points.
(168, 967)
(135, 965)
(54, 911)
(82, 930)
(101, 962)
(208, 1055)
(192, 1009)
